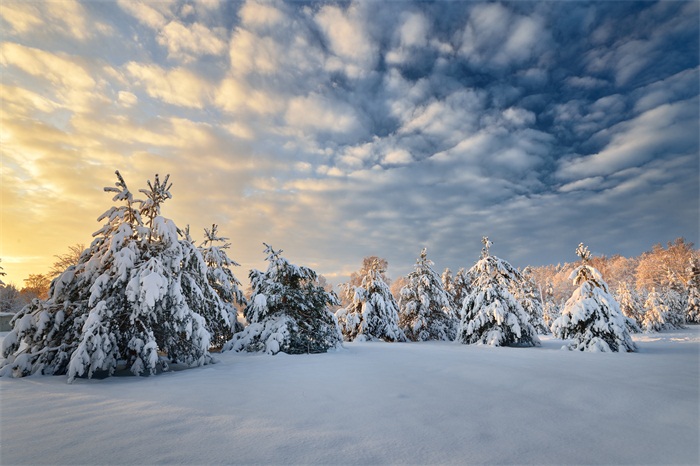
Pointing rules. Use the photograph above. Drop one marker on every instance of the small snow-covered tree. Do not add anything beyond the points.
(676, 301)
(425, 308)
(656, 315)
(226, 285)
(550, 309)
(693, 307)
(631, 306)
(527, 293)
(288, 311)
(491, 314)
(10, 299)
(462, 287)
(372, 313)
(127, 302)
(591, 318)
(448, 284)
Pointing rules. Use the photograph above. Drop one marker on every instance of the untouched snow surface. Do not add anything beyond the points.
(374, 403)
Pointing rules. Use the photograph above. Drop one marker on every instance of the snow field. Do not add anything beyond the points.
(374, 403)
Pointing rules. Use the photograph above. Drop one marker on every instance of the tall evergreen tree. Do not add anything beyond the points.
(124, 304)
(591, 318)
(373, 312)
(491, 314)
(226, 285)
(425, 308)
(288, 311)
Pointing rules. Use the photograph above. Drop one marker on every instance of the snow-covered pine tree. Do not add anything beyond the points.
(591, 318)
(656, 315)
(631, 306)
(123, 304)
(462, 288)
(288, 311)
(677, 303)
(448, 284)
(550, 309)
(373, 312)
(527, 293)
(693, 308)
(491, 314)
(425, 308)
(226, 285)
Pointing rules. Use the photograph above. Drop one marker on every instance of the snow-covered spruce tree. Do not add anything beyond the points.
(425, 308)
(491, 314)
(693, 308)
(656, 315)
(527, 293)
(462, 287)
(550, 309)
(373, 312)
(448, 284)
(126, 302)
(677, 303)
(631, 306)
(221, 278)
(288, 311)
(591, 318)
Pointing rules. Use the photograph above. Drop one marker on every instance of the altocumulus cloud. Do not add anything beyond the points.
(336, 131)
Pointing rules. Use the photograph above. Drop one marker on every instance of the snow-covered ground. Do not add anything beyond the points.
(374, 403)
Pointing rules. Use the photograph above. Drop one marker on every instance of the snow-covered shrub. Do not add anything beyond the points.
(591, 318)
(425, 308)
(491, 314)
(288, 311)
(373, 312)
(130, 300)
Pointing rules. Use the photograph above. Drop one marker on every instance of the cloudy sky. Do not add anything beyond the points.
(340, 130)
